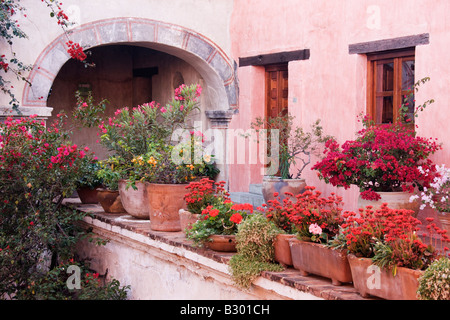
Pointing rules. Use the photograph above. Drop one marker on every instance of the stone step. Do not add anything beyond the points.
(255, 188)
(247, 197)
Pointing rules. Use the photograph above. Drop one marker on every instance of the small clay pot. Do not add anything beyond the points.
(110, 200)
(220, 242)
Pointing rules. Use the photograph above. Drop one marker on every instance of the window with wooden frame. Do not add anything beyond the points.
(390, 80)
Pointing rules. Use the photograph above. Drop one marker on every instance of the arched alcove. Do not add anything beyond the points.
(217, 70)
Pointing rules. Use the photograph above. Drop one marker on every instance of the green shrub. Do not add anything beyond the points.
(434, 284)
(255, 248)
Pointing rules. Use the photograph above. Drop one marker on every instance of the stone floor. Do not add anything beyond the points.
(317, 286)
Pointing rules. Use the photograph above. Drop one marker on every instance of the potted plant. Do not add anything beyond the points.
(277, 212)
(110, 173)
(199, 195)
(386, 160)
(217, 225)
(294, 145)
(434, 284)
(88, 183)
(142, 138)
(437, 195)
(385, 254)
(255, 249)
(317, 220)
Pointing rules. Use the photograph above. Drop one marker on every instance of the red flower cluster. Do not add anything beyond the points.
(307, 209)
(75, 51)
(3, 64)
(394, 228)
(204, 193)
(386, 157)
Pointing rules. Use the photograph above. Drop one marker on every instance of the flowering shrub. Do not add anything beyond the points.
(316, 218)
(204, 193)
(87, 112)
(388, 237)
(221, 217)
(39, 167)
(141, 137)
(438, 193)
(387, 157)
(278, 212)
(434, 284)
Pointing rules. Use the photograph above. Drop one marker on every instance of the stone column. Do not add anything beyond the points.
(220, 120)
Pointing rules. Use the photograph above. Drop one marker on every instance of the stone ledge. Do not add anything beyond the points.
(288, 284)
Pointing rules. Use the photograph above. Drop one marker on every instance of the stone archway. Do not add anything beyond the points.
(216, 68)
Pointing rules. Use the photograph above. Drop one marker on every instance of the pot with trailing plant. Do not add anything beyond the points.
(386, 162)
(385, 254)
(317, 219)
(255, 249)
(288, 144)
(108, 195)
(218, 223)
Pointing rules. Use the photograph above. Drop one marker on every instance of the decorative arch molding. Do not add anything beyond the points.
(215, 67)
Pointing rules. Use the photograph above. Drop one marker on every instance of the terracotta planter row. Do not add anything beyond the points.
(368, 279)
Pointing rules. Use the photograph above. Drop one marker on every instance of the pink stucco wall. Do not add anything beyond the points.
(331, 84)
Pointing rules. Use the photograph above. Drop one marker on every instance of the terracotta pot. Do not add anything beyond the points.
(224, 243)
(282, 249)
(271, 184)
(110, 201)
(315, 258)
(165, 202)
(134, 201)
(368, 279)
(395, 200)
(87, 195)
(187, 219)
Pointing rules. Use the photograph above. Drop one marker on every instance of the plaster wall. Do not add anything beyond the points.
(331, 84)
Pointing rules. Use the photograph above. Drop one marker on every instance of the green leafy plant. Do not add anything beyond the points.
(434, 284)
(110, 172)
(87, 113)
(53, 285)
(255, 249)
(294, 143)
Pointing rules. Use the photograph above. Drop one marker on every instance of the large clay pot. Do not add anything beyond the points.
(395, 200)
(110, 200)
(282, 249)
(87, 195)
(368, 279)
(187, 219)
(272, 184)
(315, 258)
(165, 202)
(224, 243)
(134, 201)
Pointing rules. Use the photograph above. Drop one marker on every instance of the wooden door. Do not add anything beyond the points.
(276, 90)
